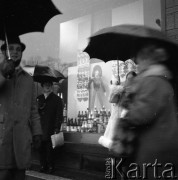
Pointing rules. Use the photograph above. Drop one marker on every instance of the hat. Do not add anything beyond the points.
(46, 81)
(13, 40)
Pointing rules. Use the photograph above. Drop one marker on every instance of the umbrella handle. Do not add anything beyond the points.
(6, 41)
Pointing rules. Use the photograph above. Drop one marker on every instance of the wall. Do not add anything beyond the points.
(68, 41)
(128, 14)
(101, 20)
(170, 21)
(73, 36)
(152, 13)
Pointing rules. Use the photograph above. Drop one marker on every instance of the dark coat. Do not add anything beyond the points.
(19, 120)
(51, 113)
(152, 113)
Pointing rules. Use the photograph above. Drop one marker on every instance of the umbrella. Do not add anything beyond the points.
(24, 16)
(44, 73)
(122, 42)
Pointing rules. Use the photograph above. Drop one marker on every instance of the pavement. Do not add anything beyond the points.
(34, 175)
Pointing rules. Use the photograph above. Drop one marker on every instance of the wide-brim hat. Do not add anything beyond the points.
(13, 40)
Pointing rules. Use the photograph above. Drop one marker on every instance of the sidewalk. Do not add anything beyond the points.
(34, 175)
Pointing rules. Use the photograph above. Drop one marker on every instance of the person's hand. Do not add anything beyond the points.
(8, 68)
(37, 141)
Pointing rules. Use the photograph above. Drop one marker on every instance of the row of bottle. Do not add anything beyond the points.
(95, 121)
(102, 115)
(86, 126)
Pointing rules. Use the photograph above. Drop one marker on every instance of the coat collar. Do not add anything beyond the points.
(157, 70)
(48, 96)
(19, 70)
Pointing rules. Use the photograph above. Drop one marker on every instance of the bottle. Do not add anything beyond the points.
(68, 125)
(75, 125)
(64, 126)
(82, 116)
(88, 112)
(85, 115)
(71, 125)
(80, 126)
(83, 127)
(95, 126)
(65, 113)
(95, 112)
(105, 117)
(89, 122)
(101, 116)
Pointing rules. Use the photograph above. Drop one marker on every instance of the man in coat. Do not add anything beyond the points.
(19, 119)
(50, 107)
(152, 113)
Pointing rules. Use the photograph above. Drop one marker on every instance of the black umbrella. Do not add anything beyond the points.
(123, 41)
(46, 73)
(22, 16)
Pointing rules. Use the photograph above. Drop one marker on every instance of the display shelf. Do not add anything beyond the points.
(77, 137)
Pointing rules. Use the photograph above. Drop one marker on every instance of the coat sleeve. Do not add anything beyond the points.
(59, 114)
(153, 94)
(35, 118)
(2, 78)
(115, 93)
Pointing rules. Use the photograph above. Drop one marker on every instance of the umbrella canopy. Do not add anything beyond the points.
(122, 42)
(23, 16)
(44, 73)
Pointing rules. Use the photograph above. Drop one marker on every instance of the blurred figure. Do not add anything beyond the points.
(127, 87)
(50, 108)
(152, 112)
(116, 138)
(19, 118)
(129, 78)
(98, 90)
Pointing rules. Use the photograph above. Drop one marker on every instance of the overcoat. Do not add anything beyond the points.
(51, 114)
(19, 120)
(152, 112)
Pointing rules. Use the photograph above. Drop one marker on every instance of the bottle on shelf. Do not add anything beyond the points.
(101, 116)
(71, 125)
(65, 113)
(95, 112)
(95, 126)
(88, 112)
(64, 126)
(82, 127)
(68, 125)
(82, 116)
(75, 125)
(79, 115)
(86, 115)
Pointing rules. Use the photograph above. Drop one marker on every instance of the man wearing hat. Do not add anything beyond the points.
(50, 107)
(19, 119)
